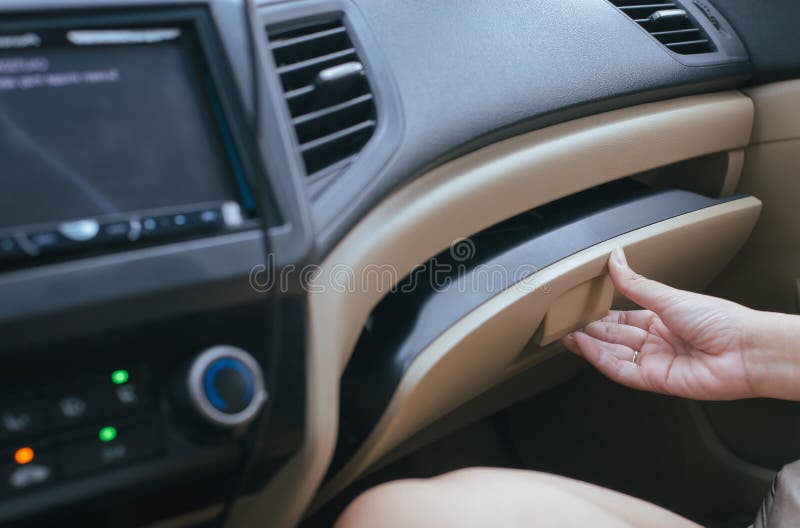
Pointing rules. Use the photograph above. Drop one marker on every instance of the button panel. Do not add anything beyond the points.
(77, 429)
(10, 249)
(40, 470)
(76, 406)
(78, 235)
(96, 451)
(20, 419)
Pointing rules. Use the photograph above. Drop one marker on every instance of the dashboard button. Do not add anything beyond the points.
(20, 419)
(149, 226)
(114, 232)
(126, 397)
(158, 226)
(38, 471)
(47, 242)
(109, 447)
(183, 223)
(10, 249)
(79, 230)
(73, 407)
(205, 219)
(130, 389)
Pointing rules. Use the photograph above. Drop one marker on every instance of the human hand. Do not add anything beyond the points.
(687, 344)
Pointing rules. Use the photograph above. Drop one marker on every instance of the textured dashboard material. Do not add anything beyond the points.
(469, 73)
(769, 32)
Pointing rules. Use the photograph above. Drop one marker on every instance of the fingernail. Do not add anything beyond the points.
(619, 256)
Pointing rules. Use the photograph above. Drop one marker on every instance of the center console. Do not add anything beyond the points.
(144, 374)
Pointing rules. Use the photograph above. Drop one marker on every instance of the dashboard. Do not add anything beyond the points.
(182, 182)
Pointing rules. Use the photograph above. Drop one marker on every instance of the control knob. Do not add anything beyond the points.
(225, 386)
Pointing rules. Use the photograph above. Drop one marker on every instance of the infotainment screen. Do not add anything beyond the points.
(95, 122)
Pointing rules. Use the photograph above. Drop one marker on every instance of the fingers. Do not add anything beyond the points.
(613, 360)
(645, 292)
(632, 332)
(620, 334)
(643, 319)
(569, 343)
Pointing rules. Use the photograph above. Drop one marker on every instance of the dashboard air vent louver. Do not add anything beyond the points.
(329, 98)
(669, 23)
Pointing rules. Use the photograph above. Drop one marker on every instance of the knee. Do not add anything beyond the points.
(459, 498)
(383, 505)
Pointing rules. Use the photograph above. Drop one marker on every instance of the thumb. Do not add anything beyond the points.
(647, 293)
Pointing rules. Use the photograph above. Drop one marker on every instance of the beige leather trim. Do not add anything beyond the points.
(778, 116)
(764, 274)
(486, 347)
(733, 172)
(459, 199)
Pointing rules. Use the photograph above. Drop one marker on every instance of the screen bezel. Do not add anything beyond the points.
(219, 92)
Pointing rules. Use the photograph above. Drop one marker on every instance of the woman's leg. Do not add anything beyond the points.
(500, 498)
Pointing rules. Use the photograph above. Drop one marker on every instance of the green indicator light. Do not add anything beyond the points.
(107, 434)
(118, 377)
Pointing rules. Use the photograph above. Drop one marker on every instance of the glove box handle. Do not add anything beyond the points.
(576, 308)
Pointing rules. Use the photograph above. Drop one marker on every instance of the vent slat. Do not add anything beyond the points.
(307, 47)
(692, 46)
(630, 3)
(654, 7)
(326, 90)
(322, 59)
(313, 116)
(644, 11)
(678, 35)
(299, 92)
(329, 149)
(290, 32)
(329, 120)
(302, 73)
(337, 136)
(303, 39)
(669, 23)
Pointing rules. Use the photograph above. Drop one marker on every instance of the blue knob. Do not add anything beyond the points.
(226, 386)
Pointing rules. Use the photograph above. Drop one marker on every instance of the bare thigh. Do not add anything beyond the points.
(491, 497)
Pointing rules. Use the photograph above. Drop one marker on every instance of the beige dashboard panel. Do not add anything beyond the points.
(483, 349)
(764, 275)
(778, 116)
(457, 200)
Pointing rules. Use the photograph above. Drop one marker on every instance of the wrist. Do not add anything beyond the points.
(771, 353)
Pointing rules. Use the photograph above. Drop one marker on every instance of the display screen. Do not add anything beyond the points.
(97, 122)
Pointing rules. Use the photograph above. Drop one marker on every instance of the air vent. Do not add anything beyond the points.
(327, 91)
(669, 23)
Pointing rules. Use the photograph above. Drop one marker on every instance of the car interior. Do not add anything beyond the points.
(259, 256)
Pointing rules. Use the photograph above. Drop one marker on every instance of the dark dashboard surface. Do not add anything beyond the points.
(471, 73)
(468, 74)
(769, 31)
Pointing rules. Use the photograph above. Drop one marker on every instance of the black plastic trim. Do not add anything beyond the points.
(769, 32)
(277, 136)
(713, 27)
(91, 295)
